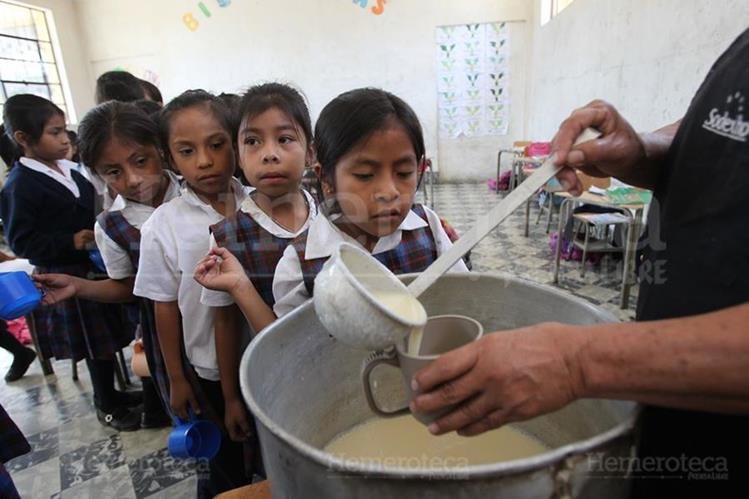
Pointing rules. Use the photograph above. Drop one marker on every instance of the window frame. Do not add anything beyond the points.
(56, 60)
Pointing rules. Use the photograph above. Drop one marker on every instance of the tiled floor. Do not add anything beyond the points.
(74, 456)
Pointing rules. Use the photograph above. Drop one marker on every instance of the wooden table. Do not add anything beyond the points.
(630, 248)
(260, 490)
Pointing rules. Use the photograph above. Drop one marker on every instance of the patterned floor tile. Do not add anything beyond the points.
(91, 461)
(116, 483)
(159, 470)
(44, 446)
(41, 480)
(137, 444)
(82, 431)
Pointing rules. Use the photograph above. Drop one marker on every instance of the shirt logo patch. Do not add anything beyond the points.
(731, 122)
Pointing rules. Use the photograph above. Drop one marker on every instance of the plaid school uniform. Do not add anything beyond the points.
(416, 251)
(12, 444)
(126, 236)
(257, 250)
(78, 329)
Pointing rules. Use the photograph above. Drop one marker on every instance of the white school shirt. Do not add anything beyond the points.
(222, 299)
(116, 258)
(173, 240)
(289, 290)
(65, 178)
(99, 185)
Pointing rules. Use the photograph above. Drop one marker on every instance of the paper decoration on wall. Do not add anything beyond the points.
(192, 23)
(378, 6)
(472, 79)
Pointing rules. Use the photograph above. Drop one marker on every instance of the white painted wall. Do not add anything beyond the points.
(647, 57)
(323, 46)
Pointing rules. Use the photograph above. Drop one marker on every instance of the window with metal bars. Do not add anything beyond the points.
(27, 56)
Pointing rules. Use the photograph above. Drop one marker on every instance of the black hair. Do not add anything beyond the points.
(232, 102)
(29, 114)
(114, 119)
(353, 116)
(118, 85)
(288, 100)
(149, 107)
(73, 137)
(9, 152)
(152, 92)
(186, 100)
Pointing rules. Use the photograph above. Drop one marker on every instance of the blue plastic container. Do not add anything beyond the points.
(196, 438)
(18, 295)
(95, 256)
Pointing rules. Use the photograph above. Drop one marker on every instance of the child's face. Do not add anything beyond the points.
(375, 183)
(201, 150)
(54, 143)
(272, 153)
(133, 171)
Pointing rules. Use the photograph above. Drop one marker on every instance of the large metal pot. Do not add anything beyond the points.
(304, 388)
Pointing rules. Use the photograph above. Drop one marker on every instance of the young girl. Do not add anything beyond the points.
(120, 146)
(369, 147)
(275, 144)
(48, 213)
(197, 136)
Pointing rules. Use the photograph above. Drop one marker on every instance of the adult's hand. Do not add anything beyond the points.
(617, 153)
(503, 377)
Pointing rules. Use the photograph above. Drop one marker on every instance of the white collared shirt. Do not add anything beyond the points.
(223, 299)
(116, 258)
(289, 290)
(99, 185)
(173, 240)
(65, 178)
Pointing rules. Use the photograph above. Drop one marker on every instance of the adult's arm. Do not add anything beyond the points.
(699, 362)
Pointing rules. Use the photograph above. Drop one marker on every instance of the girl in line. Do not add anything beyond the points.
(120, 145)
(48, 212)
(196, 133)
(274, 142)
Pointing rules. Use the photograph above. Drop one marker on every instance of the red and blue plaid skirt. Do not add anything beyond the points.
(77, 328)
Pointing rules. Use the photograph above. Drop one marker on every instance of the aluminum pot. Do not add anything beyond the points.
(304, 388)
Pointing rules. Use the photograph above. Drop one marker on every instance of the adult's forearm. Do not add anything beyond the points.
(699, 362)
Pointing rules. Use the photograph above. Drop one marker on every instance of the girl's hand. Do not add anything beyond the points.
(83, 239)
(221, 271)
(182, 398)
(237, 420)
(56, 287)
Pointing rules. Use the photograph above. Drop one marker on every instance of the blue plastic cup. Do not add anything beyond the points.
(196, 438)
(18, 295)
(95, 256)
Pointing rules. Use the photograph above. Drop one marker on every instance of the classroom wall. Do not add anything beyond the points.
(324, 46)
(647, 57)
(74, 55)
